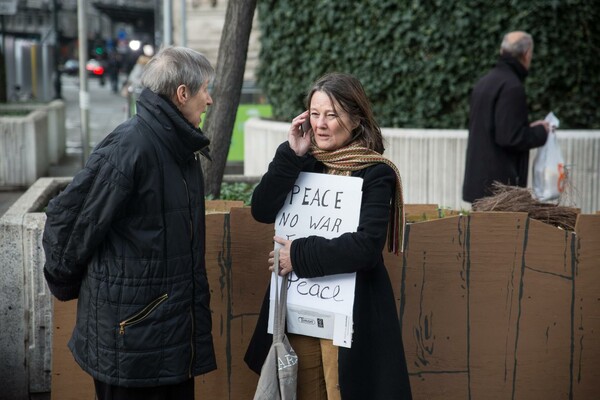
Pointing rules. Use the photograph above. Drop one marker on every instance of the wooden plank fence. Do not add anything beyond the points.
(492, 306)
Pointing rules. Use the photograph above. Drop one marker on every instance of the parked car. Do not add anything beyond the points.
(71, 67)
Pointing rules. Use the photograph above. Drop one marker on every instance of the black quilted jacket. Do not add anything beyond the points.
(127, 239)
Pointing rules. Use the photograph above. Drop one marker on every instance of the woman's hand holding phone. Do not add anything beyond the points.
(299, 134)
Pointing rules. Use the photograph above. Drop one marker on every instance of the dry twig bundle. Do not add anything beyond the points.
(518, 199)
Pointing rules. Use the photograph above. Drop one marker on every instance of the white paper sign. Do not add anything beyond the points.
(328, 206)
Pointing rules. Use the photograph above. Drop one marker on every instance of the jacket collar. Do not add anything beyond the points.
(180, 137)
(514, 64)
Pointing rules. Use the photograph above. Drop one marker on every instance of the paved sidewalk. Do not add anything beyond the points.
(7, 198)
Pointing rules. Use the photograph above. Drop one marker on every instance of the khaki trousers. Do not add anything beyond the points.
(317, 368)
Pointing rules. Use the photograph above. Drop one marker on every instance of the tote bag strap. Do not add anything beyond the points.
(280, 302)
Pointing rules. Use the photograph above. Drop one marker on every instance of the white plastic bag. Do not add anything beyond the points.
(549, 166)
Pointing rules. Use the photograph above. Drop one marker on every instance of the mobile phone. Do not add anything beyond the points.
(305, 127)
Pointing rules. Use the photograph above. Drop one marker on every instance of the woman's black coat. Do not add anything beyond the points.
(374, 367)
(127, 238)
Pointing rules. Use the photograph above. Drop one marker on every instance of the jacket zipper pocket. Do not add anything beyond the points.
(142, 315)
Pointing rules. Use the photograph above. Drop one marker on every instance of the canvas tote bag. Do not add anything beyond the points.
(279, 373)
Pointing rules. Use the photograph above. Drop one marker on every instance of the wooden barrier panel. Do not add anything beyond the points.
(492, 306)
(69, 382)
(433, 307)
(544, 314)
(236, 262)
(585, 310)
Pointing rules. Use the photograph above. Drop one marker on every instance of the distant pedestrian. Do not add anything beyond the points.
(133, 83)
(114, 67)
(126, 238)
(500, 135)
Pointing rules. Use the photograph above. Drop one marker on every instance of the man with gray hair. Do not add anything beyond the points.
(500, 135)
(126, 238)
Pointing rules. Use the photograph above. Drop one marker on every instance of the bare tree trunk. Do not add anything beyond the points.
(231, 63)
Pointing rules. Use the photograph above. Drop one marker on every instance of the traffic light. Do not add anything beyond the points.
(99, 48)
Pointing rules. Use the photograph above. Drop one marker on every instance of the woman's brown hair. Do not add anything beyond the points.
(347, 91)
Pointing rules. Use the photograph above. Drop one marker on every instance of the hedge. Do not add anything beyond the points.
(418, 60)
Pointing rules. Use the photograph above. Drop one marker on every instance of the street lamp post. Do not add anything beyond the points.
(84, 95)
(57, 85)
(183, 23)
(167, 23)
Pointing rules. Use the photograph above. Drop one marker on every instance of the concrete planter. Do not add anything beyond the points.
(57, 130)
(23, 153)
(25, 301)
(432, 161)
(56, 125)
(30, 143)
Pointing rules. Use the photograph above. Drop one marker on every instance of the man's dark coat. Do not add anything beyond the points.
(499, 133)
(126, 238)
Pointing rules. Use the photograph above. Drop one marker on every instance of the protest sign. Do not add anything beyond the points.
(328, 206)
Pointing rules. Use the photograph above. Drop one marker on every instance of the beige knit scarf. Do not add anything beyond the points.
(355, 157)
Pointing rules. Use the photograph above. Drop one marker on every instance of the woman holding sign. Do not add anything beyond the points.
(340, 137)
